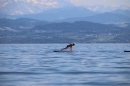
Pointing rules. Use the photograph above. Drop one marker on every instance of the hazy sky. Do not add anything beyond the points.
(101, 2)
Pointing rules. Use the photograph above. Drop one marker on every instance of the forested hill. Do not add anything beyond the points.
(35, 31)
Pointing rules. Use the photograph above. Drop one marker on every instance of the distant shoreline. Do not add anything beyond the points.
(64, 43)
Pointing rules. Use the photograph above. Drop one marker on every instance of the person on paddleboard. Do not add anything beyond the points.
(69, 46)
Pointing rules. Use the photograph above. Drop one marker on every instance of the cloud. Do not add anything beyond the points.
(101, 2)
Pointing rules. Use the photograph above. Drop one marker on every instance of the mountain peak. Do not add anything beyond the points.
(102, 8)
(16, 7)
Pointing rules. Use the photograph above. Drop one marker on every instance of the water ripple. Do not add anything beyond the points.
(38, 65)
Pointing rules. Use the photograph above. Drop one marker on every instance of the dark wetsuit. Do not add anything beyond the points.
(69, 46)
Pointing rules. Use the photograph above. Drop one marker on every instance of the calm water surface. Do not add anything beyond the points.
(89, 65)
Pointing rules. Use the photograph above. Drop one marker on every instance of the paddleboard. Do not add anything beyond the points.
(61, 51)
(126, 50)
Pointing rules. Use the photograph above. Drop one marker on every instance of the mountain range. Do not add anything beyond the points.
(67, 14)
(52, 21)
(101, 8)
(35, 31)
(62, 11)
(20, 7)
(105, 18)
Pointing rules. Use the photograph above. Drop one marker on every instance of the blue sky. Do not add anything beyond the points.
(113, 3)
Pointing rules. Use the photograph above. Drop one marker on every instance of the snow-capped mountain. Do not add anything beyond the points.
(16, 7)
(101, 8)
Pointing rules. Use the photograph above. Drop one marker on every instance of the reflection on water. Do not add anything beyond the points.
(38, 65)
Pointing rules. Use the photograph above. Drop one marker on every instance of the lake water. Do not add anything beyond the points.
(38, 65)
